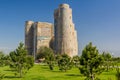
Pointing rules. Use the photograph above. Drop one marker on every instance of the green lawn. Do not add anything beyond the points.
(41, 72)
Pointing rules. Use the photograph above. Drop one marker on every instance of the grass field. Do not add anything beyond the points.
(42, 72)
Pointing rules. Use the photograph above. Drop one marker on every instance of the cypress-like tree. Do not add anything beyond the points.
(47, 53)
(91, 62)
(64, 62)
(20, 61)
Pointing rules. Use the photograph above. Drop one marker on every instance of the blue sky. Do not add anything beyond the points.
(96, 21)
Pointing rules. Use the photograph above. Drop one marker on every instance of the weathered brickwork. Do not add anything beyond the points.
(65, 33)
(62, 37)
(37, 34)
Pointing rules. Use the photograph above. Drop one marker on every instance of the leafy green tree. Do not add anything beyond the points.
(57, 58)
(115, 61)
(20, 61)
(64, 62)
(107, 60)
(51, 61)
(2, 59)
(42, 53)
(118, 73)
(91, 62)
(76, 61)
(47, 53)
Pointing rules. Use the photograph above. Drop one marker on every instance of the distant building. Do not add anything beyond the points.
(63, 34)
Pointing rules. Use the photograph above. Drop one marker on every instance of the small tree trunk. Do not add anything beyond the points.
(51, 67)
(20, 71)
(92, 77)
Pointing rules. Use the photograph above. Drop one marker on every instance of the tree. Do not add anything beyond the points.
(3, 62)
(47, 53)
(64, 62)
(20, 61)
(57, 58)
(51, 61)
(107, 60)
(76, 61)
(2, 59)
(6, 60)
(115, 61)
(118, 73)
(91, 62)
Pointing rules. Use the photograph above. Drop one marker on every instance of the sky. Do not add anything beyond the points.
(96, 21)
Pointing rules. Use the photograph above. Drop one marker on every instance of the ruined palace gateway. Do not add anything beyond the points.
(37, 34)
(63, 37)
(65, 33)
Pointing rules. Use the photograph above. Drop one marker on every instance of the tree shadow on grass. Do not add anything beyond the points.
(11, 77)
(39, 78)
(44, 67)
(57, 71)
(73, 75)
(9, 70)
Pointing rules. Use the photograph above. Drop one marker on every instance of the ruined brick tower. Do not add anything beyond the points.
(29, 29)
(65, 33)
(63, 36)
